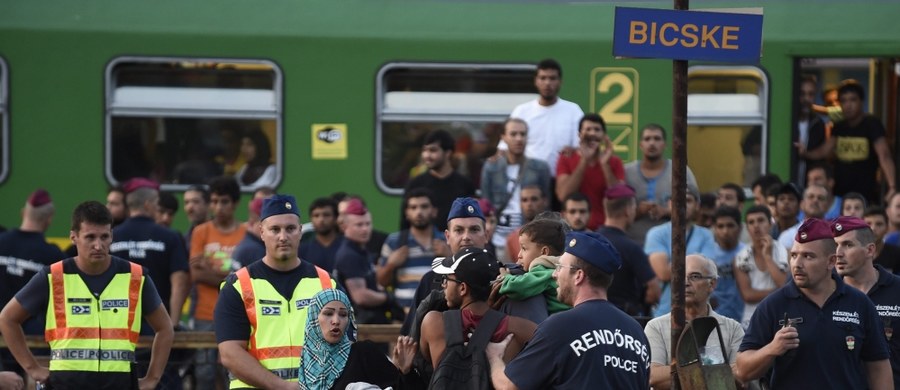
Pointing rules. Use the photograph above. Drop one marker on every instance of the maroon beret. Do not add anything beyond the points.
(843, 225)
(256, 206)
(619, 191)
(138, 183)
(813, 229)
(355, 207)
(39, 198)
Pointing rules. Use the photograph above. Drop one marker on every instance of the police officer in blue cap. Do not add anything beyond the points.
(593, 345)
(256, 327)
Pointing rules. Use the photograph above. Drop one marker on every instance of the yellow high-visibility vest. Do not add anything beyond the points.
(87, 333)
(277, 327)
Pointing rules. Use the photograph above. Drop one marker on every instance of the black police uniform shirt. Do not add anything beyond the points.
(353, 261)
(250, 249)
(885, 294)
(627, 288)
(592, 346)
(23, 255)
(35, 296)
(158, 249)
(230, 316)
(835, 340)
(322, 256)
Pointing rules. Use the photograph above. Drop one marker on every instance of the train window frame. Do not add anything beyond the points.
(415, 107)
(202, 103)
(4, 123)
(709, 112)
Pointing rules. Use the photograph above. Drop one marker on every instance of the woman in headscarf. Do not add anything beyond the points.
(331, 360)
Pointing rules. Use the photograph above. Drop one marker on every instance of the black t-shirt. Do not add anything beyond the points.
(444, 192)
(158, 249)
(312, 251)
(353, 261)
(35, 296)
(22, 255)
(889, 258)
(231, 318)
(627, 289)
(856, 164)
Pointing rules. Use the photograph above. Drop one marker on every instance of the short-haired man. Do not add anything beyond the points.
(577, 211)
(321, 246)
(651, 178)
(816, 332)
(732, 195)
(196, 208)
(700, 279)
(761, 267)
(212, 244)
(854, 205)
(727, 231)
(251, 248)
(552, 121)
(859, 145)
(886, 255)
(822, 175)
(115, 203)
(466, 278)
(168, 207)
(93, 303)
(572, 349)
(262, 310)
(446, 184)
(503, 178)
(591, 169)
(787, 207)
(855, 256)
(635, 287)
(406, 255)
(761, 185)
(658, 247)
(813, 204)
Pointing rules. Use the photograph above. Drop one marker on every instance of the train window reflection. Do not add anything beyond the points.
(471, 101)
(4, 121)
(183, 122)
(727, 125)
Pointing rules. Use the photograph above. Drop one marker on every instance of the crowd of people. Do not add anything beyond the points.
(571, 246)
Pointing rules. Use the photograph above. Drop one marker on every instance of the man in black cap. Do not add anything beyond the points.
(815, 332)
(855, 263)
(593, 345)
(260, 332)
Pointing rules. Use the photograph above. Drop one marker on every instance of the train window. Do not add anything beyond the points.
(471, 101)
(727, 125)
(185, 121)
(4, 120)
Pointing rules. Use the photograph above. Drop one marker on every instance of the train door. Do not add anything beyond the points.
(727, 125)
(4, 120)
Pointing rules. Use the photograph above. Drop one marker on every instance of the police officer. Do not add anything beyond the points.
(815, 331)
(593, 345)
(93, 303)
(260, 314)
(855, 255)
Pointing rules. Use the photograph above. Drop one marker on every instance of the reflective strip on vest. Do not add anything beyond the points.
(93, 334)
(281, 322)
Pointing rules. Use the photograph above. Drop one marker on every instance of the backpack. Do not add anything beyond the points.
(465, 366)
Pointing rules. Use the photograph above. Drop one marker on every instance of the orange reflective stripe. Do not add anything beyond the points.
(91, 333)
(243, 276)
(59, 294)
(134, 292)
(278, 352)
(324, 278)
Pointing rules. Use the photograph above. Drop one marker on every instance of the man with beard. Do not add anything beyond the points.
(651, 178)
(815, 332)
(591, 169)
(406, 255)
(855, 263)
(577, 211)
(261, 312)
(445, 183)
(321, 246)
(567, 351)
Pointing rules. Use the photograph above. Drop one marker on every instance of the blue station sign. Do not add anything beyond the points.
(687, 35)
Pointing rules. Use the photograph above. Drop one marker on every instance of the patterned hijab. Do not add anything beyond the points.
(322, 363)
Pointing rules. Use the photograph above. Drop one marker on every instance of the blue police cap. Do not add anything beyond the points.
(279, 204)
(465, 208)
(595, 249)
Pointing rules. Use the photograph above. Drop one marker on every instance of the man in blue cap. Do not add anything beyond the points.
(593, 345)
(260, 333)
(815, 332)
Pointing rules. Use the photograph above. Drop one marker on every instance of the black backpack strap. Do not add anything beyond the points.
(453, 327)
(484, 330)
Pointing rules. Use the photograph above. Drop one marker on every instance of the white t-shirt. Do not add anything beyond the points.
(550, 129)
(511, 216)
(759, 280)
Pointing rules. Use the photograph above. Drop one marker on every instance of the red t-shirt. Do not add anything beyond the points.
(593, 185)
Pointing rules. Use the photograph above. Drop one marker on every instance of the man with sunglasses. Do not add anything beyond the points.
(593, 345)
(701, 278)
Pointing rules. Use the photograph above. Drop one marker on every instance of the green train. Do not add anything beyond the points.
(93, 92)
